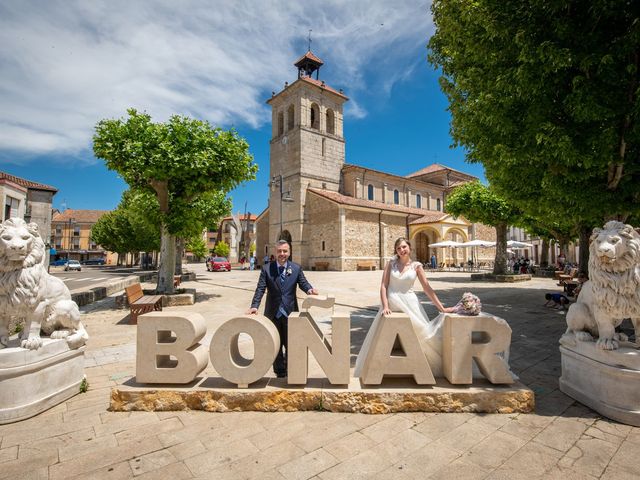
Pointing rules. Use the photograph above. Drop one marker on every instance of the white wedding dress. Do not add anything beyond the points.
(402, 298)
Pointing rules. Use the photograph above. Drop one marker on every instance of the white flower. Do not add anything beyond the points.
(468, 305)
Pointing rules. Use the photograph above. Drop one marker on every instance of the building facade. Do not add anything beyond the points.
(71, 236)
(341, 216)
(239, 232)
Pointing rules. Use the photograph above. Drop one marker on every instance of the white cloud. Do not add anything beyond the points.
(67, 64)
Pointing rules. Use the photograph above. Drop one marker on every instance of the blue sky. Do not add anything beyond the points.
(67, 65)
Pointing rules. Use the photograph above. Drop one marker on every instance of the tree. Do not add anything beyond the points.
(180, 161)
(197, 246)
(479, 203)
(545, 95)
(222, 249)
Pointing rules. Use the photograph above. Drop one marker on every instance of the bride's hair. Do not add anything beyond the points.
(398, 242)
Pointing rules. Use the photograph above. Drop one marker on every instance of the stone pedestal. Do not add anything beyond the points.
(32, 381)
(607, 381)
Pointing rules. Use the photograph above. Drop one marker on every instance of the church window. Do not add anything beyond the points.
(290, 117)
(280, 123)
(323, 245)
(418, 201)
(396, 197)
(315, 116)
(438, 204)
(331, 128)
(370, 192)
(323, 147)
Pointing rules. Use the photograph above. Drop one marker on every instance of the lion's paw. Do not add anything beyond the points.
(584, 337)
(621, 336)
(60, 334)
(4, 341)
(32, 343)
(607, 344)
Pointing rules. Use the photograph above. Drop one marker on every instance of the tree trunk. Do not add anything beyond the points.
(500, 262)
(166, 271)
(585, 235)
(544, 253)
(179, 252)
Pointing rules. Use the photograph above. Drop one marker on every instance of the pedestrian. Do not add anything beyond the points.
(252, 262)
(265, 260)
(434, 261)
(242, 261)
(556, 300)
(279, 280)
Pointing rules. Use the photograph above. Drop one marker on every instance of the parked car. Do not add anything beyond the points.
(73, 265)
(218, 264)
(94, 261)
(58, 263)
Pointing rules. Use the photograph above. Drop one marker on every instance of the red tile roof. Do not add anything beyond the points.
(242, 217)
(324, 86)
(361, 202)
(309, 56)
(436, 167)
(429, 218)
(79, 216)
(27, 183)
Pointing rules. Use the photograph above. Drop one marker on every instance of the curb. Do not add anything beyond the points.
(98, 293)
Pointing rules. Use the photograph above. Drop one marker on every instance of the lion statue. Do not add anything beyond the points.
(613, 291)
(29, 294)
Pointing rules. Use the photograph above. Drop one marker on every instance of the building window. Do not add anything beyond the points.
(58, 230)
(11, 207)
(370, 192)
(315, 116)
(290, 117)
(419, 201)
(438, 204)
(323, 245)
(396, 197)
(280, 123)
(76, 231)
(324, 146)
(331, 122)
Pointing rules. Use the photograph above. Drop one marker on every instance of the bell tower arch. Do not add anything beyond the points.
(307, 149)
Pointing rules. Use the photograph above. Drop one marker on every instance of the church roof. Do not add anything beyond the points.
(324, 86)
(430, 217)
(308, 56)
(436, 167)
(26, 183)
(78, 216)
(361, 202)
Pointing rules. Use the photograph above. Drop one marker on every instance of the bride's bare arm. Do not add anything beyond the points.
(383, 289)
(430, 291)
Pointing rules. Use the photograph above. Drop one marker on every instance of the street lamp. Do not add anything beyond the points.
(284, 196)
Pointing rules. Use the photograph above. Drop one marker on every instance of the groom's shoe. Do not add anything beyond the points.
(281, 374)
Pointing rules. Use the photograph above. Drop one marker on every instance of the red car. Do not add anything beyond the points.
(218, 264)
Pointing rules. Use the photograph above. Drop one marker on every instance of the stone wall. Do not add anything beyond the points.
(322, 233)
(485, 232)
(262, 237)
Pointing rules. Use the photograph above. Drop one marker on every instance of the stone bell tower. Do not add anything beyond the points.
(307, 150)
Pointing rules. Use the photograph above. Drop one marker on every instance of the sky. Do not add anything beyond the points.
(68, 64)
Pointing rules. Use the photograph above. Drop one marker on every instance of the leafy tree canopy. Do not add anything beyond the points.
(545, 95)
(222, 249)
(479, 203)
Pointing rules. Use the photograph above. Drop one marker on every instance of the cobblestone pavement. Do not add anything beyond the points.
(562, 439)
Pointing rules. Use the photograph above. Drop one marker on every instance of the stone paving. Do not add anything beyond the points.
(562, 439)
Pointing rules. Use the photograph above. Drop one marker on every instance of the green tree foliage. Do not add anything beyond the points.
(545, 95)
(181, 161)
(197, 246)
(479, 203)
(132, 227)
(222, 249)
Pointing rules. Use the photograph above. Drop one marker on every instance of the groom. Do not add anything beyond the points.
(279, 279)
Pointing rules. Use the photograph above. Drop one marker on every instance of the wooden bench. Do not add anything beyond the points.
(140, 303)
(321, 266)
(562, 279)
(366, 265)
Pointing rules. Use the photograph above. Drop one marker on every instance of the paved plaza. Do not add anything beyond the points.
(562, 439)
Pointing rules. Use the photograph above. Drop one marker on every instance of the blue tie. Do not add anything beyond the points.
(282, 313)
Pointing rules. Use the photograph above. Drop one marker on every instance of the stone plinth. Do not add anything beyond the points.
(33, 381)
(509, 278)
(274, 395)
(188, 297)
(607, 381)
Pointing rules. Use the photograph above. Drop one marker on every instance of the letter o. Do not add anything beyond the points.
(226, 357)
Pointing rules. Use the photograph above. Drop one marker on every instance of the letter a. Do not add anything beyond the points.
(164, 358)
(380, 360)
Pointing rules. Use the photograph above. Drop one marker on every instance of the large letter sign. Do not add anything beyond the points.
(167, 347)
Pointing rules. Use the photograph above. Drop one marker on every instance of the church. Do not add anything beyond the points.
(339, 216)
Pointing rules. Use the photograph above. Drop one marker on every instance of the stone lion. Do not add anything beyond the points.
(613, 291)
(29, 294)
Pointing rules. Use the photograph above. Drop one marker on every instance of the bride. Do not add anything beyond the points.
(396, 294)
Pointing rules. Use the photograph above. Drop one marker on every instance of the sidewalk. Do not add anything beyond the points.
(562, 439)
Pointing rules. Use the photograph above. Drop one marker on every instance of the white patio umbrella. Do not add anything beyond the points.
(517, 244)
(447, 243)
(479, 243)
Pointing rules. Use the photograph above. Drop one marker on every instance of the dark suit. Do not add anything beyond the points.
(280, 294)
